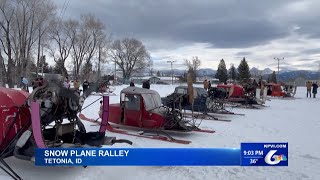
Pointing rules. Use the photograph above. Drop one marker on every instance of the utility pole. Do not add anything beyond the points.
(278, 59)
(115, 72)
(171, 62)
(99, 61)
(231, 65)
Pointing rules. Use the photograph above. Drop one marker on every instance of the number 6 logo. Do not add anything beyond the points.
(270, 155)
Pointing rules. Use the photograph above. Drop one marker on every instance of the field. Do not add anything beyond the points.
(294, 121)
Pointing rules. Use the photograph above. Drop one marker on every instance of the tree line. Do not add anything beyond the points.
(241, 73)
(30, 27)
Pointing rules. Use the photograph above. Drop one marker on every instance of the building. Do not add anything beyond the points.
(154, 79)
(300, 81)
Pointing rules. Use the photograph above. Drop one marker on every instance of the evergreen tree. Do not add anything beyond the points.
(222, 73)
(273, 77)
(243, 70)
(233, 73)
(87, 69)
(45, 65)
(158, 73)
(33, 66)
(59, 68)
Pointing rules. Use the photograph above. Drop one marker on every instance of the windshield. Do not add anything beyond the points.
(151, 101)
(202, 91)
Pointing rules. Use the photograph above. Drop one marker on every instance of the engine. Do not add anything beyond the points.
(56, 103)
(217, 93)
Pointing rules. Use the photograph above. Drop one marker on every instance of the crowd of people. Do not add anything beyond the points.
(40, 81)
(76, 84)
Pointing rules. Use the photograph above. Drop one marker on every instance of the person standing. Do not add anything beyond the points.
(308, 85)
(146, 84)
(209, 85)
(205, 84)
(314, 89)
(35, 83)
(132, 83)
(66, 83)
(76, 85)
(42, 81)
(85, 85)
(24, 83)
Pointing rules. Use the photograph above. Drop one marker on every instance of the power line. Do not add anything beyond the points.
(63, 10)
(64, 4)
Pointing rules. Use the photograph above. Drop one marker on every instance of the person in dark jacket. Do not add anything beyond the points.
(35, 83)
(85, 85)
(314, 89)
(132, 84)
(146, 84)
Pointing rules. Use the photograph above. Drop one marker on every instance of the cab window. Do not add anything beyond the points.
(133, 102)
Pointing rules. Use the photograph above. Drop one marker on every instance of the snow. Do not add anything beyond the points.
(293, 121)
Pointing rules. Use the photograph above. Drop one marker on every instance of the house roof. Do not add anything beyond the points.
(149, 77)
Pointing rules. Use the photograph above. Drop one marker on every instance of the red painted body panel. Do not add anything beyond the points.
(276, 90)
(136, 118)
(10, 100)
(237, 92)
(115, 113)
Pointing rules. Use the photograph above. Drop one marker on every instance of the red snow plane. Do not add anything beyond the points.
(45, 118)
(142, 109)
(281, 90)
(236, 95)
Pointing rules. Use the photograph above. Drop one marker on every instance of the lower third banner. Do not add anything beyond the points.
(138, 157)
(250, 154)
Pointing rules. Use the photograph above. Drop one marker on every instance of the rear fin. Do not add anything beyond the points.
(36, 124)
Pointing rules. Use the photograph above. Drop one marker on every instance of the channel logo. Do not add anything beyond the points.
(273, 159)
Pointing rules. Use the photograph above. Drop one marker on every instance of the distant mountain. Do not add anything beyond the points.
(267, 71)
(206, 72)
(168, 72)
(256, 71)
(293, 74)
(285, 75)
(179, 72)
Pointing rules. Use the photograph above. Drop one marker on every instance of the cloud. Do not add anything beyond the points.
(214, 29)
(222, 23)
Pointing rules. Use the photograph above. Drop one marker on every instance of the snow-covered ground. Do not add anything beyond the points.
(294, 121)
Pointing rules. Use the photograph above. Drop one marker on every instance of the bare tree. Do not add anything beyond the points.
(2, 71)
(63, 36)
(103, 49)
(192, 66)
(130, 55)
(44, 18)
(19, 23)
(7, 12)
(28, 17)
(89, 35)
